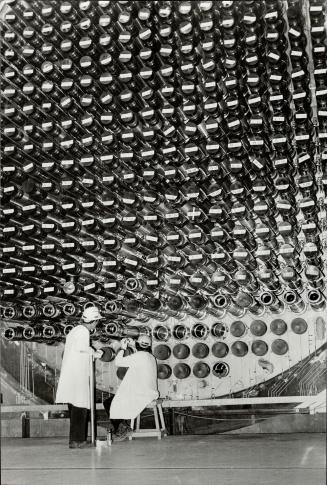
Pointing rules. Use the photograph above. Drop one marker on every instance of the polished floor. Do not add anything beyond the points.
(288, 459)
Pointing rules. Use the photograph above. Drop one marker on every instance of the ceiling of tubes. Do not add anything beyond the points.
(163, 158)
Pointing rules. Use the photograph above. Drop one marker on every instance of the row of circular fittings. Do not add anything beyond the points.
(154, 109)
(227, 159)
(178, 152)
(62, 134)
(197, 272)
(206, 186)
(168, 230)
(123, 218)
(228, 24)
(201, 370)
(121, 27)
(220, 330)
(52, 335)
(220, 350)
(90, 129)
(51, 77)
(158, 156)
(28, 24)
(214, 94)
(172, 305)
(91, 74)
(180, 351)
(159, 332)
(175, 224)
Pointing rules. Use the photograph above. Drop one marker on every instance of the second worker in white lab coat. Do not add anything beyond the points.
(139, 386)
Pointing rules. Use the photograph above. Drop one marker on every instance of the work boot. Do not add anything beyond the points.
(123, 432)
(80, 444)
(74, 444)
(86, 444)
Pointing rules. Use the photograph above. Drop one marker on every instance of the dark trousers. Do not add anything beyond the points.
(78, 423)
(115, 422)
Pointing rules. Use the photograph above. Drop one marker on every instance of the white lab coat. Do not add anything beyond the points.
(73, 385)
(138, 388)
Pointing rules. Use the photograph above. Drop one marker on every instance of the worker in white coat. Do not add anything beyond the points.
(73, 386)
(139, 386)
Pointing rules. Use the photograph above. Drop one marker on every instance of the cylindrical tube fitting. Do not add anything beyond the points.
(316, 299)
(270, 301)
(294, 301)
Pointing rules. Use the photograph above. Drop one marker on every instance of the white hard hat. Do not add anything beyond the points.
(144, 341)
(90, 314)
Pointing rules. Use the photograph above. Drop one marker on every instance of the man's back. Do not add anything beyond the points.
(139, 386)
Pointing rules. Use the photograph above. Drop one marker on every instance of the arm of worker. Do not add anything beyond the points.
(81, 344)
(120, 360)
(97, 354)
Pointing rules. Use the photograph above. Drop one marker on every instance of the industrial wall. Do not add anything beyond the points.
(166, 162)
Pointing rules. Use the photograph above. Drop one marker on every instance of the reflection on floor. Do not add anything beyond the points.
(292, 459)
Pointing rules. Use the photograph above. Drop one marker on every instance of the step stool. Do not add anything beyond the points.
(160, 429)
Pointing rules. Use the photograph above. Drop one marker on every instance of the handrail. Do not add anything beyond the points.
(172, 404)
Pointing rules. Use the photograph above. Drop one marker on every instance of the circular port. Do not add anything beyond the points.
(49, 331)
(164, 371)
(299, 326)
(266, 298)
(69, 309)
(314, 296)
(220, 301)
(67, 329)
(220, 369)
(279, 346)
(181, 371)
(200, 350)
(237, 328)
(28, 333)
(162, 352)
(200, 331)
(258, 328)
(108, 354)
(175, 303)
(161, 333)
(259, 347)
(290, 297)
(9, 333)
(181, 351)
(220, 349)
(10, 313)
(219, 330)
(49, 310)
(180, 332)
(132, 284)
(201, 370)
(111, 306)
(29, 311)
(239, 348)
(278, 326)
(112, 329)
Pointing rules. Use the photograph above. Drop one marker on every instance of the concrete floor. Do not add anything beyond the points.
(289, 459)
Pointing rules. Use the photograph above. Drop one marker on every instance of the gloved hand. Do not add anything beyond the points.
(124, 343)
(97, 354)
(127, 342)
